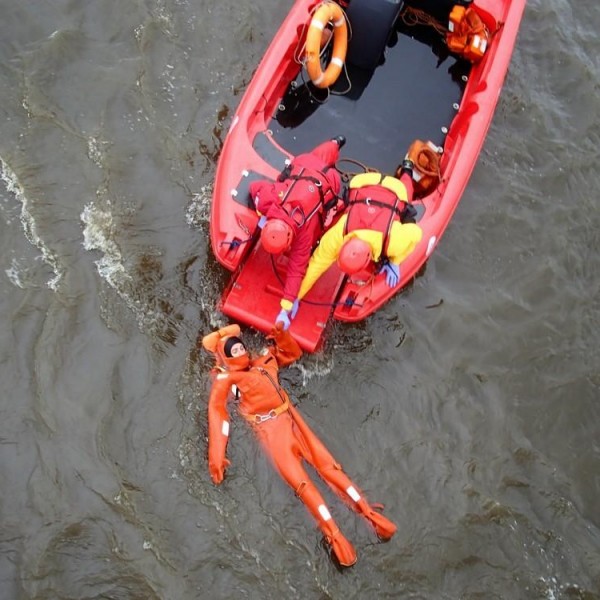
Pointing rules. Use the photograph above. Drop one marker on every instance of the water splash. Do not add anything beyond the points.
(99, 234)
(15, 274)
(313, 366)
(198, 212)
(29, 224)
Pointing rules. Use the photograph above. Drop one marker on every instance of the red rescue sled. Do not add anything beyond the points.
(400, 82)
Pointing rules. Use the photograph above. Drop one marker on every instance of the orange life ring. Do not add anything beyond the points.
(327, 12)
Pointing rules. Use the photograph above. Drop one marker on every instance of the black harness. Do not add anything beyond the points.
(288, 174)
(406, 214)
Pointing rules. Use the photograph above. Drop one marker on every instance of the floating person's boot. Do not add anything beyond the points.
(384, 528)
(342, 549)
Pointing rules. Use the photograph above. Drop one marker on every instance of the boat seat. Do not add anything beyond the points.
(241, 194)
(372, 23)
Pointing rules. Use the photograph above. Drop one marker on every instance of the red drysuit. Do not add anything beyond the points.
(300, 200)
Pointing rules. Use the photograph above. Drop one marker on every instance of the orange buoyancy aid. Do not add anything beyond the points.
(467, 34)
(374, 207)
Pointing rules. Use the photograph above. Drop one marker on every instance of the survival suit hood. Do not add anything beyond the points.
(221, 342)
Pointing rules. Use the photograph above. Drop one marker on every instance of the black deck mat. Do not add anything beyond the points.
(413, 94)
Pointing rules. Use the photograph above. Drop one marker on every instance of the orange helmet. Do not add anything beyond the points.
(276, 236)
(355, 255)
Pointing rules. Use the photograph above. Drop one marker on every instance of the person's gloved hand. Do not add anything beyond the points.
(262, 222)
(295, 306)
(285, 316)
(392, 274)
(217, 472)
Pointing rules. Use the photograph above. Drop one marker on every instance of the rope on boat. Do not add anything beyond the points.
(413, 16)
(233, 244)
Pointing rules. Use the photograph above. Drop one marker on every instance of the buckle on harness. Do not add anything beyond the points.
(258, 419)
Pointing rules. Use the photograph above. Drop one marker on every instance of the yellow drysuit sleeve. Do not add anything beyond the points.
(324, 256)
(403, 239)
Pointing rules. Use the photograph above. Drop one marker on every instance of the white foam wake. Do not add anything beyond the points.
(29, 229)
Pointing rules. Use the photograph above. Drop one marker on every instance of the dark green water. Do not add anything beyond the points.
(476, 421)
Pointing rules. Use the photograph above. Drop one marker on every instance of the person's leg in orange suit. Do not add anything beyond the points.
(286, 452)
(331, 472)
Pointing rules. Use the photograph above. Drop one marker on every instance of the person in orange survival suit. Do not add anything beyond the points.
(293, 210)
(282, 432)
(378, 226)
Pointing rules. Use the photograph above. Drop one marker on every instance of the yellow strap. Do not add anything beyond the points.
(388, 182)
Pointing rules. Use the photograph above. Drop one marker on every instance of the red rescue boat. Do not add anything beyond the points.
(404, 77)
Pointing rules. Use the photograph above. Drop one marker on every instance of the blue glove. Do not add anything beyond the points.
(262, 222)
(295, 307)
(392, 274)
(283, 317)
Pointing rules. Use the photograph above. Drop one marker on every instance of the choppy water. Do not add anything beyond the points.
(475, 420)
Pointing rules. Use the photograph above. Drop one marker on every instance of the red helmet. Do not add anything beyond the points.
(276, 236)
(355, 255)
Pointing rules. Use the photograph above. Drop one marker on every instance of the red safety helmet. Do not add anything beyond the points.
(276, 236)
(355, 255)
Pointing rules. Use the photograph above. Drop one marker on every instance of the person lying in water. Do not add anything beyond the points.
(282, 432)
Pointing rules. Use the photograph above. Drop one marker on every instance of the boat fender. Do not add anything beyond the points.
(326, 12)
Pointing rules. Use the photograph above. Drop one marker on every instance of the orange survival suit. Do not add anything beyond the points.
(282, 432)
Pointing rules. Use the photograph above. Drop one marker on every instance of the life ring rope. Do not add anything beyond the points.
(325, 13)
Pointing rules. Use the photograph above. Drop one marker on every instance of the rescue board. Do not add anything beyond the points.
(400, 82)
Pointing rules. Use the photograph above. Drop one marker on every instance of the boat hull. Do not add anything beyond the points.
(417, 91)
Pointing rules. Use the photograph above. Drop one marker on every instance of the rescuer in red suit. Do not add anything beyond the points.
(293, 211)
(283, 434)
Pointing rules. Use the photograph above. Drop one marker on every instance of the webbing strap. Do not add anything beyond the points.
(258, 418)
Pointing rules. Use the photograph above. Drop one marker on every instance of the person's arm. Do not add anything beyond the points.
(298, 261)
(218, 426)
(264, 195)
(402, 241)
(285, 348)
(408, 182)
(324, 256)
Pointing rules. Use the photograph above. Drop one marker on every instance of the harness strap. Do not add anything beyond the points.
(258, 418)
(288, 173)
(370, 202)
(394, 210)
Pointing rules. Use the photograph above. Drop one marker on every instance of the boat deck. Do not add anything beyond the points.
(427, 92)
